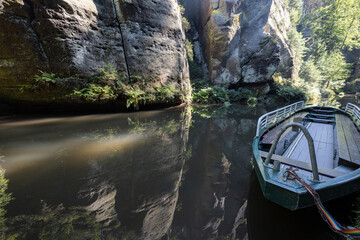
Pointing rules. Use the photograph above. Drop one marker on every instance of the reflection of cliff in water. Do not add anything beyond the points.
(215, 188)
(130, 188)
(138, 188)
(124, 176)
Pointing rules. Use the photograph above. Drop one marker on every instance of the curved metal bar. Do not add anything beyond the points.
(314, 166)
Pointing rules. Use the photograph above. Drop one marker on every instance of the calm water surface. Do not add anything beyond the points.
(182, 173)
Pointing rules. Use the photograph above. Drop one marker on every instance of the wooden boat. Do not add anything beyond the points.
(321, 143)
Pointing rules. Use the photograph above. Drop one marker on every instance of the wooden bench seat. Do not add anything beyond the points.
(321, 115)
(328, 172)
(348, 141)
(322, 120)
(323, 111)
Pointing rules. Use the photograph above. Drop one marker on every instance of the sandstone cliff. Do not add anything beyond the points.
(67, 37)
(244, 42)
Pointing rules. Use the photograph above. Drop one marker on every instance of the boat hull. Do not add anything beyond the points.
(294, 200)
(294, 196)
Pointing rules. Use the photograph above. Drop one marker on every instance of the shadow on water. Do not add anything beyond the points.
(173, 174)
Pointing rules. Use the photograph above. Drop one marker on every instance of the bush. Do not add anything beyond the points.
(185, 24)
(216, 94)
(134, 96)
(49, 81)
(109, 85)
(95, 93)
(240, 95)
(102, 87)
(246, 93)
(234, 96)
(290, 93)
(213, 94)
(167, 92)
(5, 198)
(45, 77)
(109, 76)
(199, 83)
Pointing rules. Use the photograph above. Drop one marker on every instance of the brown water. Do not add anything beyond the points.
(173, 174)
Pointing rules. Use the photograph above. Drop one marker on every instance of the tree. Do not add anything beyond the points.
(334, 70)
(310, 73)
(336, 25)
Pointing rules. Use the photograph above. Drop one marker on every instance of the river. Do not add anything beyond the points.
(180, 173)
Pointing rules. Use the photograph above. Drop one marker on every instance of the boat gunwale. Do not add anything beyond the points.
(291, 113)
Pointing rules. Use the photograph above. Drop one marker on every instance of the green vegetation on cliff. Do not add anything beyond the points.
(107, 85)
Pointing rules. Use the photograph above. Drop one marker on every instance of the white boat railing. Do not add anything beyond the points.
(354, 111)
(274, 117)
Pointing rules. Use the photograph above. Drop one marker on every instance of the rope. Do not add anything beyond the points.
(334, 225)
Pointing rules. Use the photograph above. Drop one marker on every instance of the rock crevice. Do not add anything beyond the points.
(31, 19)
(244, 41)
(117, 10)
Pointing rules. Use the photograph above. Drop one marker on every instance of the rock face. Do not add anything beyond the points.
(244, 42)
(68, 37)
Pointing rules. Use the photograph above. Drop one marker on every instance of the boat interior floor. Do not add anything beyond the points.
(323, 136)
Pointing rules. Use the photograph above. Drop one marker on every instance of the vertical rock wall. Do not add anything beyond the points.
(244, 42)
(69, 37)
(153, 38)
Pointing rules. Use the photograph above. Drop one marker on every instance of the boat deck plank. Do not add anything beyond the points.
(356, 134)
(322, 135)
(270, 136)
(342, 146)
(329, 172)
(348, 141)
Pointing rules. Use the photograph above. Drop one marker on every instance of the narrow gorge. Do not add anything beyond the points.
(237, 43)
